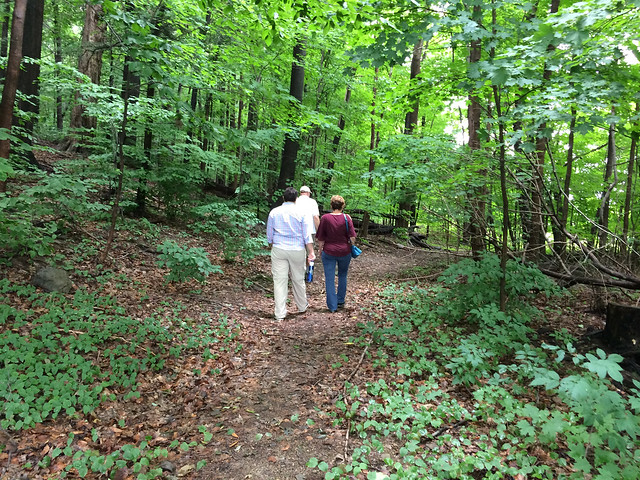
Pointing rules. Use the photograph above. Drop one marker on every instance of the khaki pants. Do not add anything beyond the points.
(285, 264)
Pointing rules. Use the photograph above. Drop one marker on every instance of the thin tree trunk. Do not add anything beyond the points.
(58, 59)
(560, 239)
(141, 194)
(11, 80)
(4, 34)
(334, 145)
(633, 151)
(364, 229)
(603, 211)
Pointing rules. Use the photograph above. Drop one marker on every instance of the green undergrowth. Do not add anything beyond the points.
(67, 355)
(473, 392)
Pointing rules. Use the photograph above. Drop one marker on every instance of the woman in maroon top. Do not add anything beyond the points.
(334, 241)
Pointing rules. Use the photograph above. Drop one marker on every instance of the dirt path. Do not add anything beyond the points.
(288, 373)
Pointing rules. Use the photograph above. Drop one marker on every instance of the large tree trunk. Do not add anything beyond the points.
(11, 79)
(407, 206)
(477, 201)
(29, 79)
(291, 142)
(90, 64)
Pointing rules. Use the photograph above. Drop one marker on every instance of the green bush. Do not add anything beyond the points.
(185, 263)
(236, 227)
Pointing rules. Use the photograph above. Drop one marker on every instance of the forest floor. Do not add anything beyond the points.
(266, 403)
(266, 399)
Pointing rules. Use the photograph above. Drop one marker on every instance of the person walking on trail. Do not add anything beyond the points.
(335, 236)
(289, 234)
(309, 206)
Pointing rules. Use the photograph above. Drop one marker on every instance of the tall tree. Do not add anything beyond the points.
(90, 64)
(11, 79)
(29, 80)
(407, 205)
(292, 137)
(477, 200)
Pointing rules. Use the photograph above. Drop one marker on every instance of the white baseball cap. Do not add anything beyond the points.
(304, 188)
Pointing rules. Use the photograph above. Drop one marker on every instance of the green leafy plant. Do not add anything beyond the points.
(185, 263)
(237, 228)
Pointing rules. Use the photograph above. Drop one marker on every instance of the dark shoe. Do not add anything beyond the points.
(333, 311)
(340, 305)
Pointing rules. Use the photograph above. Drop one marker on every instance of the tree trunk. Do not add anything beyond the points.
(334, 145)
(141, 194)
(291, 142)
(477, 201)
(407, 207)
(536, 227)
(29, 79)
(90, 64)
(11, 79)
(603, 211)
(4, 34)
(59, 114)
(633, 150)
(364, 229)
(560, 239)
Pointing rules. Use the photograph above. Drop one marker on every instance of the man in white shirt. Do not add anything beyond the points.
(309, 206)
(289, 234)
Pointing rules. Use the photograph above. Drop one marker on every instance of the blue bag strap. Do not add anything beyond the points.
(346, 222)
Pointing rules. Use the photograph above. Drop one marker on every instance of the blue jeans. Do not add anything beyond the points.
(329, 264)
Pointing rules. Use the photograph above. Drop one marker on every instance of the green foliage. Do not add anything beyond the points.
(236, 227)
(587, 428)
(31, 220)
(185, 263)
(473, 290)
(178, 183)
(48, 351)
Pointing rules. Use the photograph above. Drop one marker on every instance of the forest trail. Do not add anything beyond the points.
(289, 372)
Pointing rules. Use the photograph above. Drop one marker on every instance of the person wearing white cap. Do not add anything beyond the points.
(309, 206)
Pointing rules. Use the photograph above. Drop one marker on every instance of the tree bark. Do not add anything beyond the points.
(407, 207)
(366, 218)
(602, 215)
(29, 79)
(560, 240)
(90, 64)
(11, 79)
(59, 114)
(477, 201)
(633, 151)
(4, 34)
(536, 227)
(291, 142)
